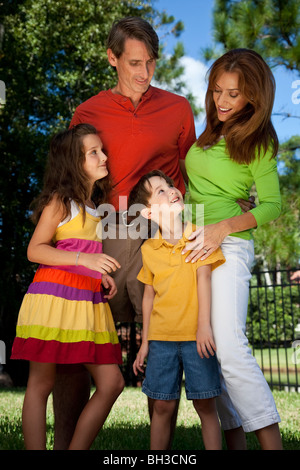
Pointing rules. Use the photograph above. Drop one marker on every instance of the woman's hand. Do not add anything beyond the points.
(109, 286)
(98, 262)
(204, 241)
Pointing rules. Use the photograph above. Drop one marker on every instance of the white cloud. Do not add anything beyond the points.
(194, 76)
(194, 79)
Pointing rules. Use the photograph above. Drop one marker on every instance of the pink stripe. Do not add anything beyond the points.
(78, 244)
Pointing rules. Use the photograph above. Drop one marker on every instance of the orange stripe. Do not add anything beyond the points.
(68, 279)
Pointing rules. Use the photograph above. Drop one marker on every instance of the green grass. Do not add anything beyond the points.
(127, 427)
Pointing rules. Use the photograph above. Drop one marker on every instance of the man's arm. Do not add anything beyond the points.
(183, 170)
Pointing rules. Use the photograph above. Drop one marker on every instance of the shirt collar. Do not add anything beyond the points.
(157, 241)
(126, 102)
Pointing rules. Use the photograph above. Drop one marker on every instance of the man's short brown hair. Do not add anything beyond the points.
(132, 27)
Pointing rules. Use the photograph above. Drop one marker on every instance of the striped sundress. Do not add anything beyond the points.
(64, 317)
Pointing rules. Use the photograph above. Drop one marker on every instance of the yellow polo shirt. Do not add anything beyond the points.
(175, 308)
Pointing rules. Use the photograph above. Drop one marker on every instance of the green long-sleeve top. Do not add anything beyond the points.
(216, 181)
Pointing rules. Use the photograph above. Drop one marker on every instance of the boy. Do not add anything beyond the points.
(176, 321)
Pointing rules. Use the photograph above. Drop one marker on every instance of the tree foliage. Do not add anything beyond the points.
(271, 27)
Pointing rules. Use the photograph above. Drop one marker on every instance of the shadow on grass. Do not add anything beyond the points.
(138, 438)
(128, 438)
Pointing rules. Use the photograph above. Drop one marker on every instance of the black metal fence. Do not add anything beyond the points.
(273, 330)
(273, 326)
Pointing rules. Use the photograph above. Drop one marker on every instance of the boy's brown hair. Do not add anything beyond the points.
(141, 192)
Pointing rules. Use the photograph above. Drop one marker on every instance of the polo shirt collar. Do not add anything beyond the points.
(126, 102)
(157, 241)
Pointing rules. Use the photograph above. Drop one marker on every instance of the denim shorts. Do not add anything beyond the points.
(167, 360)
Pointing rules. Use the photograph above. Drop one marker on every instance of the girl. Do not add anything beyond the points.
(65, 317)
(237, 147)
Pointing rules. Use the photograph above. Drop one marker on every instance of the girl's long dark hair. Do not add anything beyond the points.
(65, 177)
(250, 131)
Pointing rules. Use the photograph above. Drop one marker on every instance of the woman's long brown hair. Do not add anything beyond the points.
(65, 177)
(250, 132)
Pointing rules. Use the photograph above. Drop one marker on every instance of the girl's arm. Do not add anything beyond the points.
(41, 250)
(204, 337)
(147, 306)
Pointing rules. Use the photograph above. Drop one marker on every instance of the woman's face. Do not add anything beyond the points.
(227, 97)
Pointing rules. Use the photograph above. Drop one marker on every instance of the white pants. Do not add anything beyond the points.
(242, 378)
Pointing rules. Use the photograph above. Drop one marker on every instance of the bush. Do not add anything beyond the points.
(273, 314)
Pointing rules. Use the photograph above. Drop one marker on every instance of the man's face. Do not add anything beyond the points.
(135, 69)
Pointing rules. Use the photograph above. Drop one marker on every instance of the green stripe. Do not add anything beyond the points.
(65, 336)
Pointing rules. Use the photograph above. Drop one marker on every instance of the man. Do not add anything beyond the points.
(142, 128)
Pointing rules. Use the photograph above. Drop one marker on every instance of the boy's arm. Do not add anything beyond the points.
(204, 337)
(147, 306)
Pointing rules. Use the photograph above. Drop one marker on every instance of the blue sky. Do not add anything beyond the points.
(197, 18)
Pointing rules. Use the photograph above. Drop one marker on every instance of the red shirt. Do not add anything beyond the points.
(155, 135)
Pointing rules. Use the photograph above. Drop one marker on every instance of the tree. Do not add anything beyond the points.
(271, 28)
(52, 57)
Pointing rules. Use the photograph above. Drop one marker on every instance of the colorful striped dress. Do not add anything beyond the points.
(64, 317)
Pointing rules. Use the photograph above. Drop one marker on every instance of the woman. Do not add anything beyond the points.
(238, 147)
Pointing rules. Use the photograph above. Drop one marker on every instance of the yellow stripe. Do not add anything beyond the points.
(50, 311)
(66, 336)
(73, 229)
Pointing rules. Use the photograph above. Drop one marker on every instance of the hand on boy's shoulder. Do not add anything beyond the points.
(215, 259)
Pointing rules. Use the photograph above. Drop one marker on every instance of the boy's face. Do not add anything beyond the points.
(164, 200)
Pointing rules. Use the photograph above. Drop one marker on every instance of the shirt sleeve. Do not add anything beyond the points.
(187, 136)
(265, 175)
(215, 259)
(145, 275)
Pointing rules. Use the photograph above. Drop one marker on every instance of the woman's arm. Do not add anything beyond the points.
(41, 250)
(207, 239)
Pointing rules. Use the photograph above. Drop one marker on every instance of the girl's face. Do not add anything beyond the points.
(95, 160)
(227, 97)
